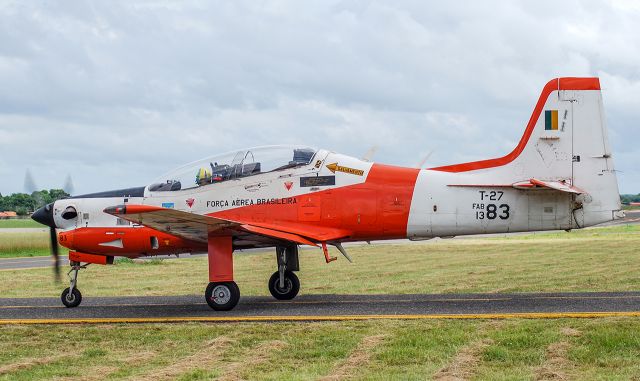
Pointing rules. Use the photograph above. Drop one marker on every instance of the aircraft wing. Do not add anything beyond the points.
(196, 227)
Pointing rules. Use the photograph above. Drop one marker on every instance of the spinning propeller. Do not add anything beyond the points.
(44, 216)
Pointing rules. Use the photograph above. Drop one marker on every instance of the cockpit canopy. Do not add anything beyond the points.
(233, 165)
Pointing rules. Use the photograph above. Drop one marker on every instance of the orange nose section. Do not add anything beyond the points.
(66, 239)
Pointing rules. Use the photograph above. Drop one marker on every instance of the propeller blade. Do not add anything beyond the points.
(369, 154)
(55, 252)
(44, 216)
(424, 160)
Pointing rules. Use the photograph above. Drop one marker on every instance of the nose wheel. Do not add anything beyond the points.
(285, 287)
(71, 296)
(222, 296)
(284, 283)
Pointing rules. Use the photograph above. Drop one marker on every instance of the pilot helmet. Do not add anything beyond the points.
(203, 176)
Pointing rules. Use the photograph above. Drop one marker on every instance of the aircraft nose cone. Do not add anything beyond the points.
(44, 215)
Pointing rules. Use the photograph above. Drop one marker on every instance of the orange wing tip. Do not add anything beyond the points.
(131, 209)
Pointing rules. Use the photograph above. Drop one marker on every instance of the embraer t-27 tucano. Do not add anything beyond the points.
(560, 176)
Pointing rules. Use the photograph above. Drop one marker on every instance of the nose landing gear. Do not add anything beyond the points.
(71, 296)
(284, 284)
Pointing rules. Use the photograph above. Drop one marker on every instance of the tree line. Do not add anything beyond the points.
(627, 198)
(24, 204)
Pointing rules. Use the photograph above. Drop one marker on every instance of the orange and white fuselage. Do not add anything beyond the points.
(560, 176)
(370, 201)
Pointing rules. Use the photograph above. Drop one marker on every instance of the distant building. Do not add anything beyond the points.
(6, 215)
(634, 203)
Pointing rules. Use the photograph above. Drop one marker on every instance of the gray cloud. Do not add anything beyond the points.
(115, 93)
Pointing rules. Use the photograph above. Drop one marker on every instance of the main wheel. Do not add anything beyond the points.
(72, 300)
(222, 296)
(290, 289)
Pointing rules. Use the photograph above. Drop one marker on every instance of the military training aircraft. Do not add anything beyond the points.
(559, 176)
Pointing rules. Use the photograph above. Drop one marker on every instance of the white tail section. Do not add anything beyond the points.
(565, 142)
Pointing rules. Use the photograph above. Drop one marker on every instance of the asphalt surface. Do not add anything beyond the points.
(30, 262)
(322, 307)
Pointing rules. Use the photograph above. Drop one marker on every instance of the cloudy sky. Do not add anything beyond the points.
(116, 93)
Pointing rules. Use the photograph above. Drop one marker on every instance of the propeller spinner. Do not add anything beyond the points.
(44, 216)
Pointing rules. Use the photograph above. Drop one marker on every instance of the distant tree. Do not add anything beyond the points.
(57, 194)
(23, 203)
(627, 198)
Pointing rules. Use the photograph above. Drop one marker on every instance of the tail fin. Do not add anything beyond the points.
(565, 142)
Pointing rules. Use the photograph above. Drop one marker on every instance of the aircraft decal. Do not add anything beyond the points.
(168, 205)
(190, 202)
(551, 120)
(254, 187)
(334, 167)
(317, 181)
(288, 185)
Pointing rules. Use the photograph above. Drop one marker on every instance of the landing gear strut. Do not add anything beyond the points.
(222, 293)
(284, 284)
(71, 296)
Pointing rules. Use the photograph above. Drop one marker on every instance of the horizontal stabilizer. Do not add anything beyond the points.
(557, 185)
(532, 184)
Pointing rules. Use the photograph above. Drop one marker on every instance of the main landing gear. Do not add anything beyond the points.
(222, 296)
(71, 296)
(284, 284)
(222, 293)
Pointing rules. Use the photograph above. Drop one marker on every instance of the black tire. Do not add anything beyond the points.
(291, 286)
(228, 295)
(72, 300)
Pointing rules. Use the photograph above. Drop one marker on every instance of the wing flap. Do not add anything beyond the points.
(278, 234)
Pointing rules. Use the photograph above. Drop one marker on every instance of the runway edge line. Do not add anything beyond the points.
(241, 319)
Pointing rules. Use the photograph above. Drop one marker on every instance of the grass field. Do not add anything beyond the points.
(19, 223)
(603, 259)
(23, 244)
(607, 349)
(588, 260)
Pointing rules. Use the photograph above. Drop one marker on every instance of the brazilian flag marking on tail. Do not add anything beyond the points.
(551, 120)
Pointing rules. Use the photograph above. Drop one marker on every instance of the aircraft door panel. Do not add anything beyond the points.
(329, 212)
(549, 210)
(359, 210)
(309, 208)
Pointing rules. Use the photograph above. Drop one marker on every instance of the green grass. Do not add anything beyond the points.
(19, 223)
(519, 349)
(605, 259)
(23, 244)
(406, 350)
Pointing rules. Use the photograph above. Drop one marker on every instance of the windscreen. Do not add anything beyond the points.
(233, 165)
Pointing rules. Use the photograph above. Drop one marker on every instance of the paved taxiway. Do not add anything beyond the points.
(322, 307)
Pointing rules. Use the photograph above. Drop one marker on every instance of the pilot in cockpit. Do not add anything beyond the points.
(203, 176)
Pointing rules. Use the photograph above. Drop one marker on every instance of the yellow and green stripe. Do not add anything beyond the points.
(551, 120)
